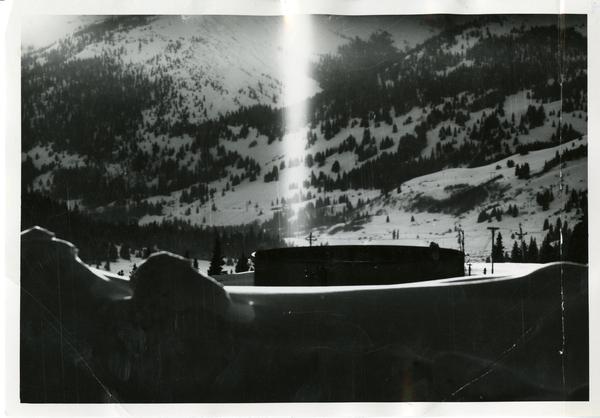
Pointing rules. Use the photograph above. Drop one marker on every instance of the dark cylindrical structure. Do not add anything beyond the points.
(355, 265)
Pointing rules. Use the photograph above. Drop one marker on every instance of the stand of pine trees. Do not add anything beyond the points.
(523, 252)
(559, 244)
(216, 262)
(96, 238)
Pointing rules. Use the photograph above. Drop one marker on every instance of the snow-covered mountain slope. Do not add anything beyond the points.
(191, 50)
(250, 201)
(217, 63)
(423, 210)
(419, 221)
(122, 118)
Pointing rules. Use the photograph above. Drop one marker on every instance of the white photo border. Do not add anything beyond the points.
(13, 11)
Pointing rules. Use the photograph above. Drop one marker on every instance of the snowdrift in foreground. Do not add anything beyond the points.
(175, 335)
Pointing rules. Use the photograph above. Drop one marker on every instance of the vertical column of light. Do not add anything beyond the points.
(296, 61)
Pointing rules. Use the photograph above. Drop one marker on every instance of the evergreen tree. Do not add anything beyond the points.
(335, 168)
(498, 249)
(483, 216)
(242, 264)
(498, 214)
(516, 255)
(551, 236)
(546, 225)
(216, 262)
(578, 247)
(524, 252)
(532, 251)
(547, 252)
(544, 198)
(112, 252)
(124, 252)
(577, 250)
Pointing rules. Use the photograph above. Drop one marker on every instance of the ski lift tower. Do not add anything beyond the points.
(521, 234)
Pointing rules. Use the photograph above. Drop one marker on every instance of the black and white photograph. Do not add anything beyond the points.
(303, 208)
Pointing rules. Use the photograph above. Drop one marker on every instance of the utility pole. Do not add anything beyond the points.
(310, 239)
(493, 229)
